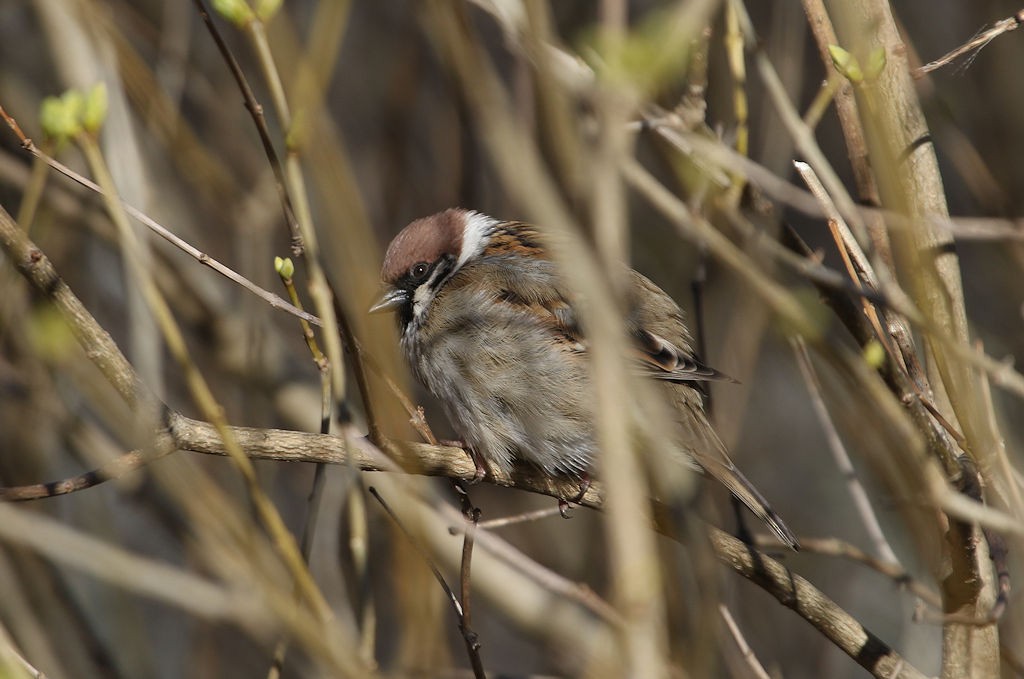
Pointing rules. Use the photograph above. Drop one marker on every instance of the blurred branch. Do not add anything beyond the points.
(842, 459)
(198, 386)
(172, 586)
(699, 230)
(715, 154)
(291, 191)
(756, 668)
(791, 590)
(275, 301)
(256, 111)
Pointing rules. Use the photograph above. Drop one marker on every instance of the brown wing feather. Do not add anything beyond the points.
(663, 360)
(662, 343)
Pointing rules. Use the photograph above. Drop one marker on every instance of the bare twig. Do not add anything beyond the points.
(256, 111)
(842, 458)
(795, 593)
(316, 491)
(129, 462)
(466, 626)
(519, 518)
(275, 301)
(980, 40)
(741, 643)
(468, 635)
(841, 549)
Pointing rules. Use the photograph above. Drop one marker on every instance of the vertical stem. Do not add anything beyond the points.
(909, 183)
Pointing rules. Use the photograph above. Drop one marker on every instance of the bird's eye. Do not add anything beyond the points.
(419, 270)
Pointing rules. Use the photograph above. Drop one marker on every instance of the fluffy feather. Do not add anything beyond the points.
(493, 333)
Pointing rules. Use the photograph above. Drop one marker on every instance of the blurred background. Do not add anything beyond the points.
(387, 136)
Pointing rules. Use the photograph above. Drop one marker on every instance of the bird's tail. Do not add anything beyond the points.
(708, 452)
(745, 492)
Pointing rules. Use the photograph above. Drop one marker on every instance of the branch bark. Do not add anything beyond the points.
(907, 174)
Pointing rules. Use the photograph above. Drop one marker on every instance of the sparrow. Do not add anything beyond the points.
(489, 326)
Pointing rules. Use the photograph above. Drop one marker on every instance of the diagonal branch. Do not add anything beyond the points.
(790, 589)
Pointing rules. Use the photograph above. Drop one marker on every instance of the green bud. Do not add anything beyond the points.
(876, 62)
(237, 12)
(284, 267)
(61, 117)
(50, 335)
(874, 354)
(94, 111)
(266, 9)
(846, 64)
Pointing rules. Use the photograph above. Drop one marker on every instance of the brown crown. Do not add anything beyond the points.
(424, 240)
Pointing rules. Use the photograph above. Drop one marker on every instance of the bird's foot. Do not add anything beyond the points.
(565, 505)
(478, 460)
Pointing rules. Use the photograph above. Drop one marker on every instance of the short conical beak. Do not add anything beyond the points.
(394, 297)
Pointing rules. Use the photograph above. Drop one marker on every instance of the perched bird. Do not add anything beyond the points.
(489, 327)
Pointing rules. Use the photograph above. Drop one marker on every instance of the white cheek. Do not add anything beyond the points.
(474, 233)
(420, 301)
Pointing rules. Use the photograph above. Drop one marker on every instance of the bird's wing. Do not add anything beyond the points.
(663, 360)
(535, 289)
(662, 344)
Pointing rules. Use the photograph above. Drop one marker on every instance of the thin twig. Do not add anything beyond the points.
(842, 459)
(547, 578)
(295, 203)
(841, 549)
(741, 643)
(256, 111)
(120, 466)
(975, 44)
(317, 489)
(275, 301)
(468, 635)
(466, 627)
(519, 518)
